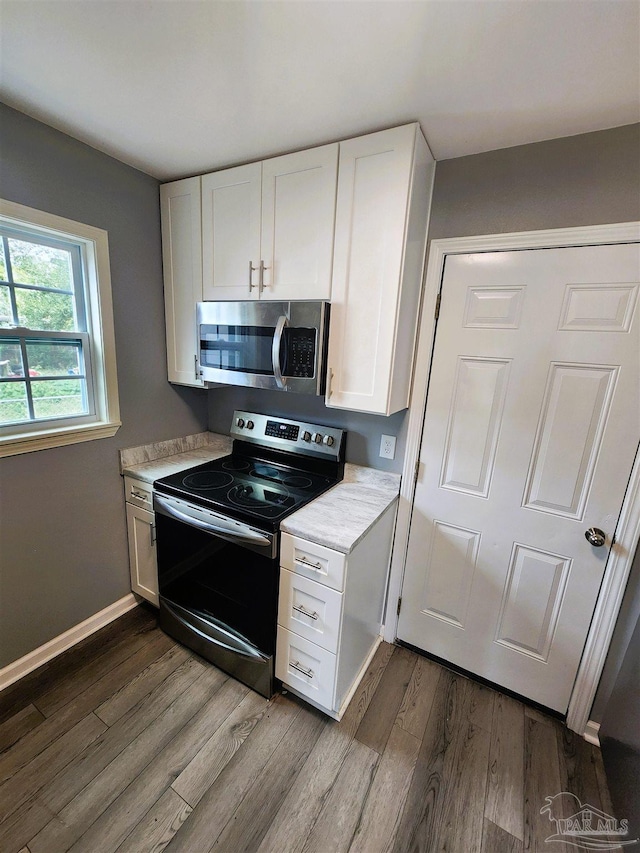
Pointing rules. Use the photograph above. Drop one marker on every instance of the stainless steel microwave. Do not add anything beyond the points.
(276, 345)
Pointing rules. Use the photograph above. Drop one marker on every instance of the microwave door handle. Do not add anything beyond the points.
(275, 351)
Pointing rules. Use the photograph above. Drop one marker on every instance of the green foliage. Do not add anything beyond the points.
(51, 399)
(32, 263)
(38, 309)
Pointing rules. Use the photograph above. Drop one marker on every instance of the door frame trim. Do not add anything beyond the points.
(628, 528)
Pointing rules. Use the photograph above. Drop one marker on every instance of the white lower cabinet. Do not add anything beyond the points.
(141, 534)
(330, 614)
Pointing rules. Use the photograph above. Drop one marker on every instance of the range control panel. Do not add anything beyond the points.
(286, 434)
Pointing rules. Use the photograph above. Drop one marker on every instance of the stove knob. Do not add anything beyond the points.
(317, 437)
(306, 436)
(329, 440)
(250, 424)
(240, 422)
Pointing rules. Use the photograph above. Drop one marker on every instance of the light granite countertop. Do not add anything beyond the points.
(340, 517)
(149, 462)
(337, 519)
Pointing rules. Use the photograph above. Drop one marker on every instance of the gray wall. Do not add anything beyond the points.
(63, 546)
(590, 179)
(363, 431)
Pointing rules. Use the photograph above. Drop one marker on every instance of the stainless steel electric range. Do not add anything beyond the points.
(218, 539)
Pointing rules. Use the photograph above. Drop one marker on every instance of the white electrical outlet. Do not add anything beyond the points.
(388, 446)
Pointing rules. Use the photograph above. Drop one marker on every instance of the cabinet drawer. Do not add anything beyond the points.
(306, 668)
(138, 493)
(310, 610)
(313, 561)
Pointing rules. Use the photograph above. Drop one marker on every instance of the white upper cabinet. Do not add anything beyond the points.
(268, 228)
(231, 232)
(298, 217)
(382, 213)
(346, 222)
(182, 266)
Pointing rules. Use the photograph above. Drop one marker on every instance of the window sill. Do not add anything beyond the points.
(28, 442)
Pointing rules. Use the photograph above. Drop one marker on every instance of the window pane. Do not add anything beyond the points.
(32, 263)
(53, 358)
(13, 402)
(48, 311)
(3, 266)
(10, 359)
(6, 315)
(58, 398)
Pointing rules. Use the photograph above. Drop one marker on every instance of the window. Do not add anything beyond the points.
(57, 355)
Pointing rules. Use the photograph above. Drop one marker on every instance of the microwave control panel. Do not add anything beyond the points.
(300, 347)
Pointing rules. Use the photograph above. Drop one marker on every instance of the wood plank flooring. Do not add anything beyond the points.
(128, 742)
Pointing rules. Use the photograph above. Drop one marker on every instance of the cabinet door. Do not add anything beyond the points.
(371, 215)
(231, 233)
(142, 552)
(298, 213)
(182, 265)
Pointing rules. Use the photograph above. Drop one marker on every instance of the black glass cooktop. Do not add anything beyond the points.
(242, 486)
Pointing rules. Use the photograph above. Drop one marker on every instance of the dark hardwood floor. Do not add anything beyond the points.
(129, 742)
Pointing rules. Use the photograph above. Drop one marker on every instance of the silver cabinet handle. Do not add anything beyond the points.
(252, 269)
(261, 284)
(275, 351)
(316, 566)
(152, 532)
(302, 669)
(305, 612)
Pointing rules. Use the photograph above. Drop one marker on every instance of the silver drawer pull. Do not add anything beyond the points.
(304, 562)
(305, 612)
(142, 496)
(302, 669)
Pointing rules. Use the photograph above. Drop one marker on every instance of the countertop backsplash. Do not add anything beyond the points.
(161, 449)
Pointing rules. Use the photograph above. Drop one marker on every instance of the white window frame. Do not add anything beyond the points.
(102, 380)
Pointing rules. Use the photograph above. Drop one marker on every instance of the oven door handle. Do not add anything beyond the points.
(214, 631)
(227, 529)
(281, 382)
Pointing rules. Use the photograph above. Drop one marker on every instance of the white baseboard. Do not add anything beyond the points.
(590, 733)
(19, 668)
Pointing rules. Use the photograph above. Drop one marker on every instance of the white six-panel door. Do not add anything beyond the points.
(531, 428)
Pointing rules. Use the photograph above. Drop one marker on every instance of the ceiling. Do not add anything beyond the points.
(181, 87)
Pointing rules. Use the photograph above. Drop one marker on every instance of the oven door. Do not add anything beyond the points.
(274, 345)
(218, 584)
